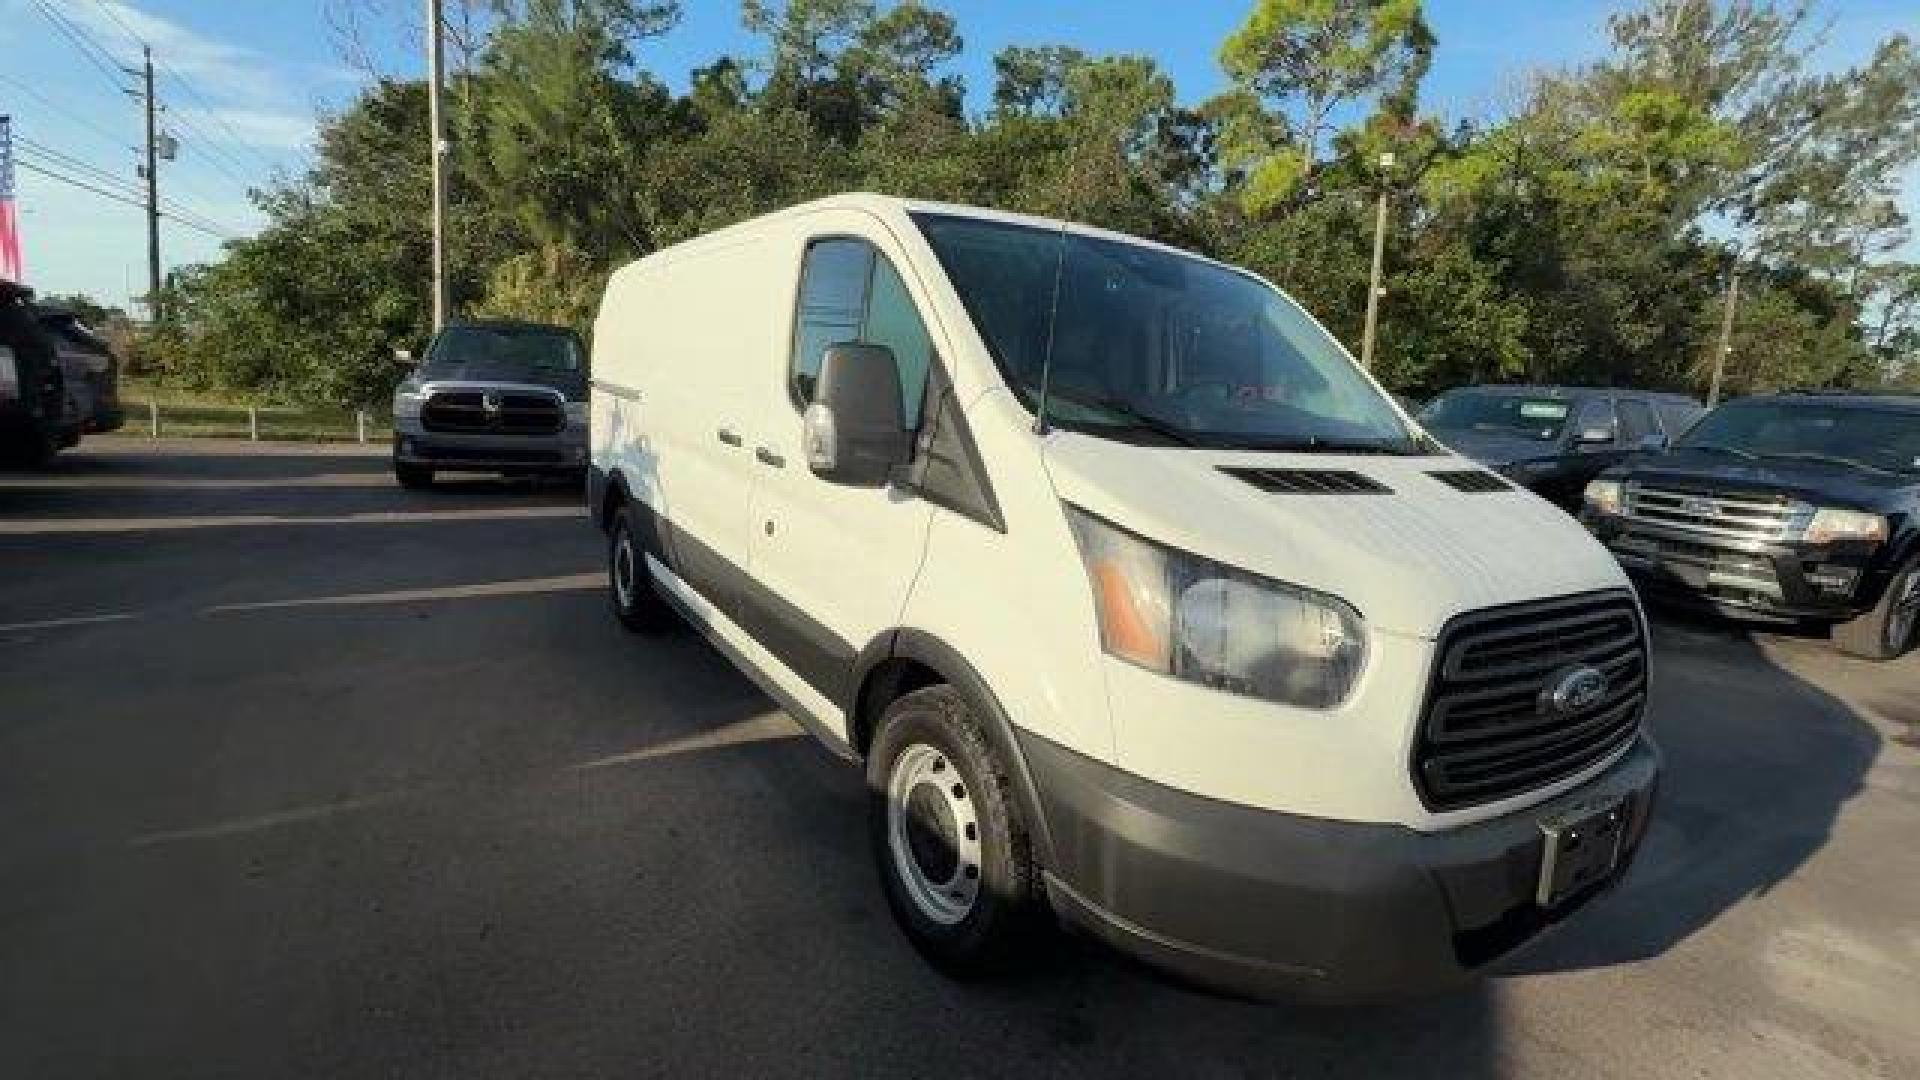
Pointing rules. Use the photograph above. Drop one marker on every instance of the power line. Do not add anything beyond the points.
(212, 112)
(124, 28)
(63, 110)
(129, 192)
(104, 193)
(84, 43)
(102, 175)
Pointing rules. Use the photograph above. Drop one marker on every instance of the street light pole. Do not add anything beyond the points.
(1726, 335)
(1379, 255)
(438, 151)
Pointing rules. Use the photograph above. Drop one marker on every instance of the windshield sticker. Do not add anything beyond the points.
(1544, 410)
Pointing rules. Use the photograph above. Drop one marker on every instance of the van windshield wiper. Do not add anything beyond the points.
(1316, 444)
(1129, 415)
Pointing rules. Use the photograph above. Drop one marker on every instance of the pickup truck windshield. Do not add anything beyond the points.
(504, 352)
(1151, 346)
(1513, 415)
(1839, 433)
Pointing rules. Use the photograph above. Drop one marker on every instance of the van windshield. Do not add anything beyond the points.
(1148, 345)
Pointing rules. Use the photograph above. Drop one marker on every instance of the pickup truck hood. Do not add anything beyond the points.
(1815, 482)
(1409, 559)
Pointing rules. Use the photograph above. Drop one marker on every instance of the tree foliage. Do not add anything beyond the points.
(1586, 234)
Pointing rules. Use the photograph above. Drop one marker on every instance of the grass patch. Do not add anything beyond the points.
(215, 415)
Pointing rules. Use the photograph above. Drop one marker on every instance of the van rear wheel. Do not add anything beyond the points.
(948, 836)
(1893, 626)
(635, 604)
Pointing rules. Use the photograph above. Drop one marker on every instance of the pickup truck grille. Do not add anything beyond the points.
(1744, 519)
(514, 412)
(1490, 730)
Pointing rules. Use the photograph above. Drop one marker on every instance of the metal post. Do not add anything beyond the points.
(1726, 336)
(153, 416)
(360, 424)
(437, 152)
(1379, 257)
(253, 423)
(153, 200)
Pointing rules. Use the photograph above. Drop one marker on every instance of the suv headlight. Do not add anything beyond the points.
(1831, 523)
(1604, 496)
(576, 413)
(1176, 613)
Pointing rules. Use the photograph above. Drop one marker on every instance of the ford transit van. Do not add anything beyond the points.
(1139, 603)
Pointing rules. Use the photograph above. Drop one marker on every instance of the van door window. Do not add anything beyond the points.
(833, 303)
(850, 292)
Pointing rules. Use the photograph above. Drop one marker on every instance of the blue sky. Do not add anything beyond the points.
(243, 82)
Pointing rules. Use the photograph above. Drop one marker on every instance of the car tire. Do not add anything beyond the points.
(635, 603)
(412, 477)
(949, 838)
(1892, 626)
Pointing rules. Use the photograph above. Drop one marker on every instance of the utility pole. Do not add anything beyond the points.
(1379, 256)
(153, 198)
(438, 150)
(1726, 336)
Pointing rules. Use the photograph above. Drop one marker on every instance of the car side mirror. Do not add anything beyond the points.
(853, 433)
(1595, 436)
(1653, 444)
(403, 357)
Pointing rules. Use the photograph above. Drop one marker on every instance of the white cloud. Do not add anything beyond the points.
(263, 128)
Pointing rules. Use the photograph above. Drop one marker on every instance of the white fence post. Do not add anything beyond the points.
(253, 423)
(153, 415)
(360, 424)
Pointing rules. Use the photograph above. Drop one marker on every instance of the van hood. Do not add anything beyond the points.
(1408, 559)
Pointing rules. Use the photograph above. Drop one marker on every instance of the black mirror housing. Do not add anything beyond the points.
(853, 431)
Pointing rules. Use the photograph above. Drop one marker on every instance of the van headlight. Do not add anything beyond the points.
(1176, 613)
(1830, 523)
(1604, 496)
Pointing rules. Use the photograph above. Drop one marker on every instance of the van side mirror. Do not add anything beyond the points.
(853, 432)
(1595, 436)
(403, 357)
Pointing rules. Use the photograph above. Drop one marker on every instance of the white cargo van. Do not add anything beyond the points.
(1140, 602)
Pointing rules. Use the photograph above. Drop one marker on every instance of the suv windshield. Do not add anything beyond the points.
(1840, 432)
(1513, 415)
(1152, 346)
(501, 351)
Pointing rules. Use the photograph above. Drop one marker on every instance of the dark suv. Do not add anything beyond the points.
(1553, 439)
(1795, 506)
(34, 423)
(493, 396)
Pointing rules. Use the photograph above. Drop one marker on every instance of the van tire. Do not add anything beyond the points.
(629, 585)
(934, 728)
(1892, 626)
(412, 477)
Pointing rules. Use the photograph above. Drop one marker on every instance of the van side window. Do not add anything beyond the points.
(833, 304)
(850, 292)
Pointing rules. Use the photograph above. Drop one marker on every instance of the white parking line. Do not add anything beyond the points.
(77, 620)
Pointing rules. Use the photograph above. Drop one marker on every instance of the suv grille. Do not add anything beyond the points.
(1490, 730)
(514, 413)
(1754, 519)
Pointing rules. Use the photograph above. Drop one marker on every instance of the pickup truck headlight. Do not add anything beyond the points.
(1830, 523)
(1176, 613)
(1604, 496)
(406, 403)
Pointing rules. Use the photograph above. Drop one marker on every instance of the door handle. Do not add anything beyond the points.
(768, 457)
(728, 436)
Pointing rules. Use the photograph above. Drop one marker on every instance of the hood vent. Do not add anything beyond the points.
(1471, 480)
(1310, 481)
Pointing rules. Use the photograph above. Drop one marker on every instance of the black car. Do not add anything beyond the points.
(1801, 507)
(1553, 439)
(90, 370)
(34, 422)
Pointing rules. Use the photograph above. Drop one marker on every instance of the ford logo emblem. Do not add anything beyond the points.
(1573, 690)
(1700, 507)
(490, 403)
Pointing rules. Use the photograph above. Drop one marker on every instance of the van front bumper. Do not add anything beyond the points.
(1267, 904)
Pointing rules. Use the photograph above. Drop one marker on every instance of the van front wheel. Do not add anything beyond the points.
(952, 847)
(635, 604)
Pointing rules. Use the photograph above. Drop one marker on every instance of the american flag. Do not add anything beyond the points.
(12, 267)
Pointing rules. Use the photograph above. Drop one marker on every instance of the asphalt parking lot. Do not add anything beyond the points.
(301, 774)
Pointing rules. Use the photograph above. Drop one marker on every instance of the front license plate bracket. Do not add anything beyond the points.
(1581, 849)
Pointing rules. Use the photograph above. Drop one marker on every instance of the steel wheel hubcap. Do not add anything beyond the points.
(623, 569)
(933, 834)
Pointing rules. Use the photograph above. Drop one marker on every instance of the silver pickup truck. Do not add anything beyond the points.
(493, 396)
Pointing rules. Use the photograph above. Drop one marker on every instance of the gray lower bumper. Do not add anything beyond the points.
(1275, 905)
(564, 452)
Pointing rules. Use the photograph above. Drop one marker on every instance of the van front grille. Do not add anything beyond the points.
(1492, 728)
(493, 411)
